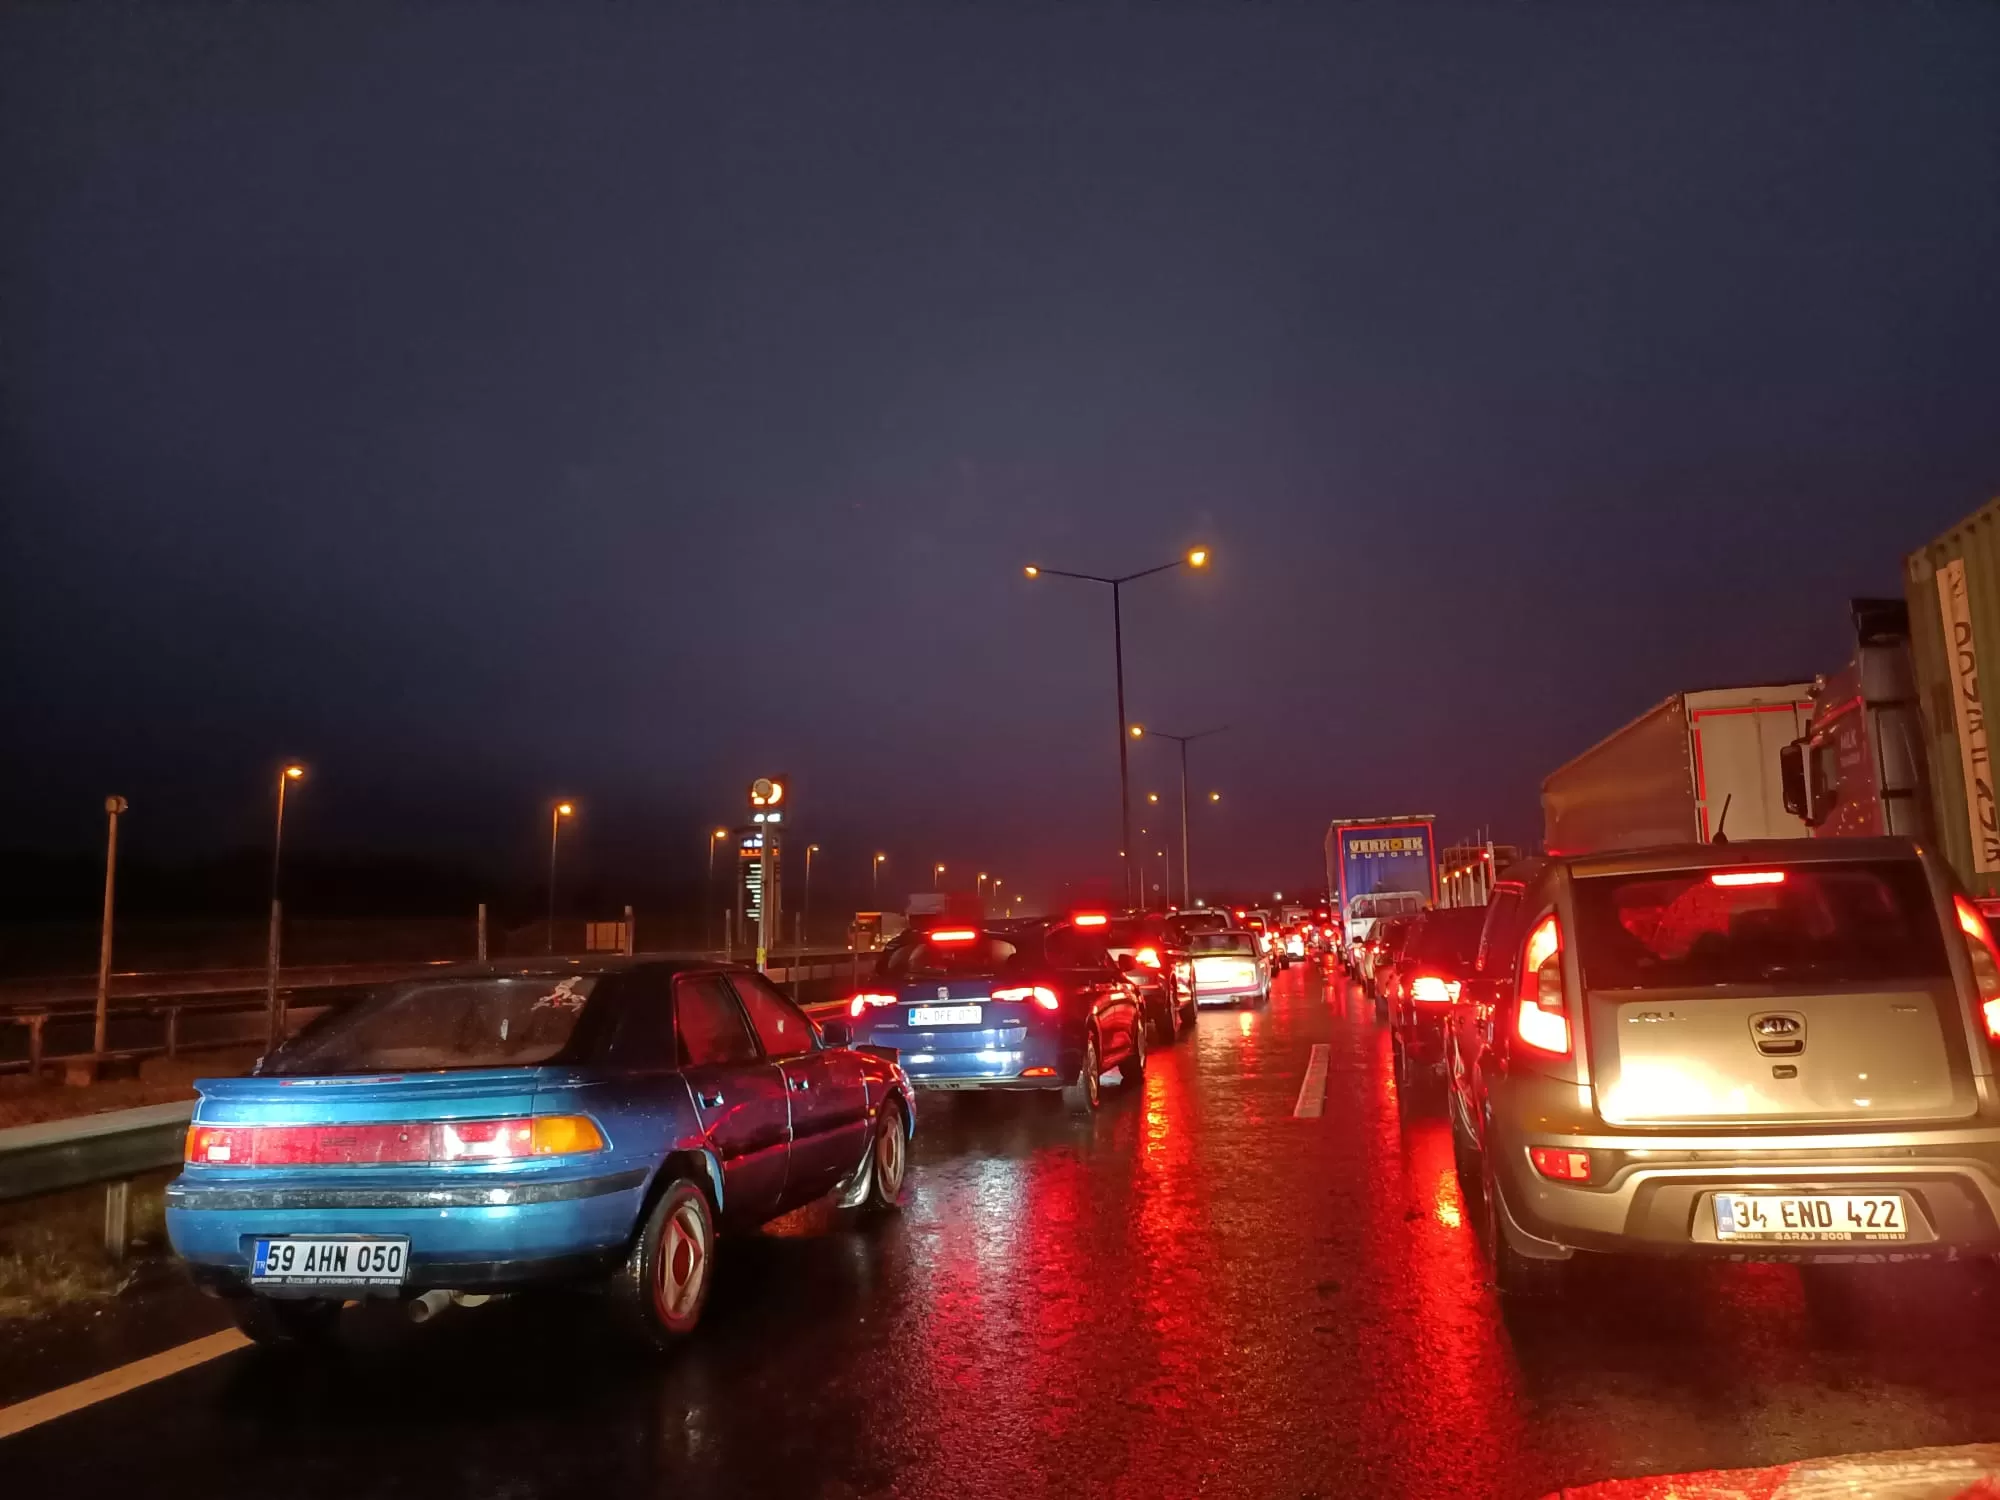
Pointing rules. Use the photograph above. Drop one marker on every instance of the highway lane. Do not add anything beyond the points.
(1199, 1292)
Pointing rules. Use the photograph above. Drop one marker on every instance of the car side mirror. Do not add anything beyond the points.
(835, 1032)
(1126, 963)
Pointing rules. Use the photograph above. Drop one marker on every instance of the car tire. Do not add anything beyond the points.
(1166, 1022)
(888, 1159)
(1465, 1160)
(1132, 1071)
(1086, 1095)
(312, 1323)
(1515, 1274)
(663, 1285)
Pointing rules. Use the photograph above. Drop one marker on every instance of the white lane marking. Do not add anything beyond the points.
(39, 1409)
(1312, 1092)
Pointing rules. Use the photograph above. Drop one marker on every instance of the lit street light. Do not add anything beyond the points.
(937, 876)
(708, 900)
(875, 878)
(556, 814)
(806, 897)
(1184, 740)
(1196, 558)
(289, 772)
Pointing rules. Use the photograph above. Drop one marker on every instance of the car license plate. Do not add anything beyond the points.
(944, 1015)
(333, 1261)
(1810, 1216)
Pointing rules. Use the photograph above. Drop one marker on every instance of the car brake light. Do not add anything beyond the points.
(861, 1003)
(952, 935)
(1090, 919)
(373, 1144)
(1985, 962)
(1540, 1019)
(1021, 994)
(1432, 990)
(1148, 957)
(1560, 1165)
(1747, 877)
(1038, 1072)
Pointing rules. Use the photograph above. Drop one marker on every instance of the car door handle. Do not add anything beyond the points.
(800, 1084)
(709, 1101)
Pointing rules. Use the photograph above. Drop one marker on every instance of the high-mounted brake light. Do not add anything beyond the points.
(952, 935)
(864, 1002)
(1147, 958)
(1432, 990)
(1022, 994)
(1090, 919)
(1540, 1018)
(1747, 877)
(1985, 962)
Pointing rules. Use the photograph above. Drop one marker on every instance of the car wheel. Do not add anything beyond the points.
(1085, 1095)
(1166, 1022)
(309, 1324)
(1465, 1160)
(1514, 1274)
(889, 1160)
(1132, 1071)
(663, 1285)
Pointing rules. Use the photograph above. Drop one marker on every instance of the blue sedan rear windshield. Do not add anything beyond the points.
(444, 1023)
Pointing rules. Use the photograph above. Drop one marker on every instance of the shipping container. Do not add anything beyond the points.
(1673, 774)
(1953, 590)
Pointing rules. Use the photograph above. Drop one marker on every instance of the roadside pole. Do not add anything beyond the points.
(113, 806)
(482, 932)
(767, 796)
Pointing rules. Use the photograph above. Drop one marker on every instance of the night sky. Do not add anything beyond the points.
(488, 402)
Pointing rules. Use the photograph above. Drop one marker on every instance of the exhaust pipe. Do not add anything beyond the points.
(428, 1306)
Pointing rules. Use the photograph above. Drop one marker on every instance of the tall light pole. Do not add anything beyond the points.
(113, 806)
(557, 813)
(288, 773)
(937, 876)
(1196, 558)
(1184, 740)
(708, 899)
(981, 887)
(875, 878)
(805, 898)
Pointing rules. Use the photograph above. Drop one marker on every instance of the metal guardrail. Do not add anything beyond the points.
(110, 1148)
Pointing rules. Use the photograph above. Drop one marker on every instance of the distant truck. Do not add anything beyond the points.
(1380, 867)
(1860, 769)
(1668, 776)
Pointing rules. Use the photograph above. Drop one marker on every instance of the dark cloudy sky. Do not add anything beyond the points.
(484, 401)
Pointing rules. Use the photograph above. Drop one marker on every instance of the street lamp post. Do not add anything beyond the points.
(982, 893)
(273, 1016)
(113, 806)
(937, 876)
(708, 898)
(1197, 558)
(1184, 740)
(557, 813)
(805, 899)
(875, 878)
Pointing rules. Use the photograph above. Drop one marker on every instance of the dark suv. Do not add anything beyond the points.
(1422, 983)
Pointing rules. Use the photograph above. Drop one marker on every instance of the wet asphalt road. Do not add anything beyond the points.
(1193, 1294)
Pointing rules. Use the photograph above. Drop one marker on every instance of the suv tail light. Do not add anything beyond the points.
(1021, 994)
(1148, 958)
(1541, 1017)
(860, 1004)
(1985, 962)
(1432, 990)
(1560, 1165)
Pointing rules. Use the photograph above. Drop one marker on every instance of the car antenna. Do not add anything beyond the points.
(1720, 837)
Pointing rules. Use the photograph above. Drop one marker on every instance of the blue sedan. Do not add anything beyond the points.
(495, 1129)
(1038, 1005)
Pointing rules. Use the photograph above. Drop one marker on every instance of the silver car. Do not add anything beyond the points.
(1773, 1050)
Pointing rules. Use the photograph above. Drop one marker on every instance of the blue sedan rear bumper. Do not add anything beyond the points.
(463, 1231)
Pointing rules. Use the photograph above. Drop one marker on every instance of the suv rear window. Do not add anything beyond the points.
(1819, 923)
(1448, 936)
(1202, 944)
(1188, 923)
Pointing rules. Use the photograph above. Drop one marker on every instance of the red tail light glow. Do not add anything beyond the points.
(1090, 919)
(1540, 1019)
(1148, 958)
(1432, 990)
(404, 1143)
(1022, 994)
(1747, 877)
(952, 935)
(1560, 1165)
(1985, 962)
(862, 1003)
